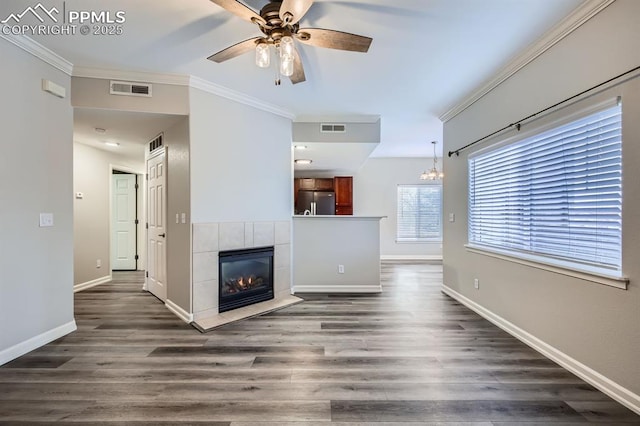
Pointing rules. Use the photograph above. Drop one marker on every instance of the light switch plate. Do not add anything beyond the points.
(46, 220)
(452, 217)
(184, 218)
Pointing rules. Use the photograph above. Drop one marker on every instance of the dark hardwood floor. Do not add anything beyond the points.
(409, 355)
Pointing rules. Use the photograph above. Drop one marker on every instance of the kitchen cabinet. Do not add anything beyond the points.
(343, 187)
(324, 184)
(307, 183)
(314, 184)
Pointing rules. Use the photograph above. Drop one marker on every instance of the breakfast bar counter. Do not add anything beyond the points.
(336, 254)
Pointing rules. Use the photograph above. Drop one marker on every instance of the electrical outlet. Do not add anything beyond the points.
(177, 217)
(452, 217)
(46, 220)
(341, 269)
(99, 263)
(183, 217)
(476, 283)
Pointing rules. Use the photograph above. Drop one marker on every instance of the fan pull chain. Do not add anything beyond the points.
(277, 64)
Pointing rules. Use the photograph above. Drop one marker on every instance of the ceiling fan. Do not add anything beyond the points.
(278, 21)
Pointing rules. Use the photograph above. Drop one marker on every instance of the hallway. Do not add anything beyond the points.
(408, 355)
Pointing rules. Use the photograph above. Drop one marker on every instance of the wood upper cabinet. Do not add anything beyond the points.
(306, 183)
(343, 187)
(314, 184)
(324, 184)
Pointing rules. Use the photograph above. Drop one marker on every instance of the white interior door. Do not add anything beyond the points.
(156, 232)
(123, 222)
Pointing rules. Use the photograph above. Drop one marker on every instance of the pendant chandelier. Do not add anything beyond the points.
(434, 173)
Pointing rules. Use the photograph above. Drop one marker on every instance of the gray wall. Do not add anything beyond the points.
(176, 139)
(92, 214)
(375, 192)
(241, 168)
(320, 244)
(36, 264)
(592, 323)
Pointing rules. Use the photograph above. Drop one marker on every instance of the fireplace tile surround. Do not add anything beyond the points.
(211, 238)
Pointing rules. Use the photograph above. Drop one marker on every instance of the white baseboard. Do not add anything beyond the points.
(606, 385)
(410, 257)
(35, 342)
(181, 313)
(337, 289)
(92, 283)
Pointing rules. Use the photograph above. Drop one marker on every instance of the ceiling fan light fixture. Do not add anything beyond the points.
(278, 20)
(263, 55)
(286, 46)
(303, 161)
(286, 65)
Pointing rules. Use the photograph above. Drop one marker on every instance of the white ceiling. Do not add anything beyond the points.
(339, 158)
(426, 55)
(132, 130)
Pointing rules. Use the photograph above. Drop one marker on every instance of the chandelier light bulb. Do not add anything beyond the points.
(286, 46)
(286, 65)
(263, 55)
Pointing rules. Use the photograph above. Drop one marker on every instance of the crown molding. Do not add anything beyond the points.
(579, 16)
(136, 76)
(215, 89)
(39, 51)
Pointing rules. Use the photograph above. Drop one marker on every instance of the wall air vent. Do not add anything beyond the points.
(127, 88)
(332, 128)
(155, 144)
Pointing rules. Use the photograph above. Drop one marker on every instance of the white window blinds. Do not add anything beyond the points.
(557, 194)
(419, 213)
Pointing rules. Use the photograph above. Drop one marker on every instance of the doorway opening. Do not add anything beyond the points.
(124, 221)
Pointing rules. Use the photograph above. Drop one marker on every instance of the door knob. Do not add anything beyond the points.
(162, 235)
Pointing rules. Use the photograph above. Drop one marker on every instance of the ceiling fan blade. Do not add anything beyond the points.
(240, 10)
(333, 39)
(235, 50)
(298, 69)
(291, 11)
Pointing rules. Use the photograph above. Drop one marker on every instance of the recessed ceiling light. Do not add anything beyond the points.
(100, 130)
(299, 147)
(112, 144)
(303, 162)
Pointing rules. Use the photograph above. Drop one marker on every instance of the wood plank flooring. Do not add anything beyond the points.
(410, 355)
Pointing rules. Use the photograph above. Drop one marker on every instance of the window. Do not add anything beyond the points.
(556, 195)
(419, 213)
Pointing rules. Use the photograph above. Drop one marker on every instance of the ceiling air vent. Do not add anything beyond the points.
(155, 144)
(127, 88)
(332, 128)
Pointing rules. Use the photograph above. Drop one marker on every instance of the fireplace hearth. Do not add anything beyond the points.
(245, 277)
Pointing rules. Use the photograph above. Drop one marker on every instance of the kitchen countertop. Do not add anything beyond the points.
(330, 216)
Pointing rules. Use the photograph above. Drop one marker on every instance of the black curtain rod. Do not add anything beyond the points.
(518, 123)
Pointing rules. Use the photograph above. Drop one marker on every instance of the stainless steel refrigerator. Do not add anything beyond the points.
(316, 202)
